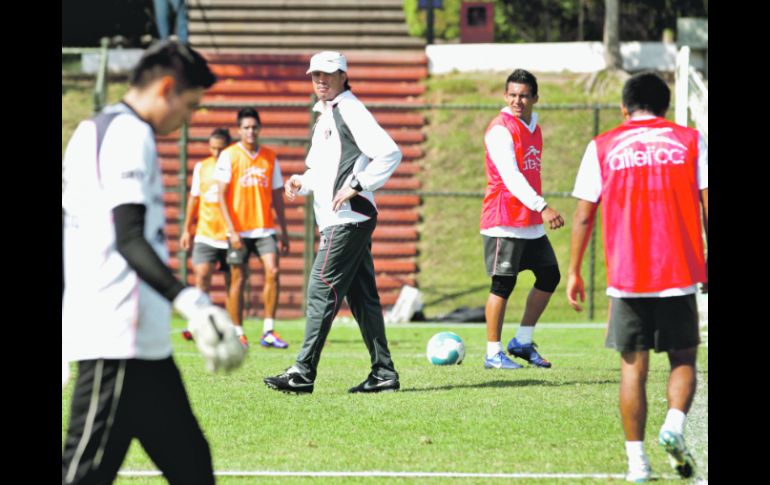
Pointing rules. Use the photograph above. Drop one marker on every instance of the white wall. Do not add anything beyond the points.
(547, 57)
(543, 57)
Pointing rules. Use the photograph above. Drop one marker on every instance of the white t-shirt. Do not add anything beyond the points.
(107, 311)
(499, 144)
(588, 186)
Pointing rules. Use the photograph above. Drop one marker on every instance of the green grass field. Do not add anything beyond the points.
(564, 420)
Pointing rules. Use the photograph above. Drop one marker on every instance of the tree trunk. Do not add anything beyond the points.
(581, 20)
(612, 35)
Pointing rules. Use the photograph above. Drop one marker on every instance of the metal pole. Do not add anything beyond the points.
(309, 251)
(182, 254)
(100, 92)
(592, 268)
(429, 39)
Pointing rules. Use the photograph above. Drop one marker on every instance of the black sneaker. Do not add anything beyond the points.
(376, 384)
(292, 382)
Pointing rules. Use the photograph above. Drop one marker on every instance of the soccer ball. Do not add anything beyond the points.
(445, 348)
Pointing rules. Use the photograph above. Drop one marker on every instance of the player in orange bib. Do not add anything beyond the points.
(250, 187)
(204, 225)
(204, 221)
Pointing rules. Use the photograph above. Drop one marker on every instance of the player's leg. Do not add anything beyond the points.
(180, 19)
(237, 259)
(204, 257)
(161, 18)
(203, 274)
(267, 248)
(166, 426)
(677, 319)
(634, 367)
(364, 301)
(538, 256)
(631, 332)
(97, 439)
(339, 252)
(633, 393)
(221, 257)
(501, 257)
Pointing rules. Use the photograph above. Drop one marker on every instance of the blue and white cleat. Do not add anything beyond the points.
(680, 459)
(272, 339)
(500, 361)
(528, 353)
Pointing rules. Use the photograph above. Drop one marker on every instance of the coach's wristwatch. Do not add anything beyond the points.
(356, 185)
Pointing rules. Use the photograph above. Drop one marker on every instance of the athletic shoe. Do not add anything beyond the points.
(500, 361)
(639, 475)
(187, 335)
(290, 382)
(272, 339)
(373, 383)
(680, 459)
(244, 341)
(527, 352)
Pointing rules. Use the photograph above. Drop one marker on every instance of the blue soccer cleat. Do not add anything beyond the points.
(680, 459)
(272, 339)
(500, 361)
(528, 353)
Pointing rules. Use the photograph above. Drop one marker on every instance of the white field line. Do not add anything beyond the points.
(384, 474)
(349, 322)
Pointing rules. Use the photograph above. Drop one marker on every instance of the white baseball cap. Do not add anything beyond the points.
(329, 62)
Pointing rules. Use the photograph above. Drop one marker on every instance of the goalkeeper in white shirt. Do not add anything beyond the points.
(118, 290)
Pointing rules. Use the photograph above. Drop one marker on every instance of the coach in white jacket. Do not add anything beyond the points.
(350, 156)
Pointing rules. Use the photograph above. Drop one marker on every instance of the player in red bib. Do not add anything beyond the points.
(651, 177)
(512, 218)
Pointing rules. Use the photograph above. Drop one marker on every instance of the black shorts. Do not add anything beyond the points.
(662, 324)
(507, 256)
(257, 245)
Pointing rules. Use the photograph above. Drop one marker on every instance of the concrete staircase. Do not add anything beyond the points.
(260, 52)
(288, 26)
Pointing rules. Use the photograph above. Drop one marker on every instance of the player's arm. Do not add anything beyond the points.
(704, 200)
(703, 185)
(582, 226)
(193, 204)
(588, 189)
(136, 250)
(211, 327)
(223, 174)
(278, 205)
(374, 142)
(503, 154)
(232, 234)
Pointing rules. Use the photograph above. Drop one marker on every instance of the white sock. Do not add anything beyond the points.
(494, 348)
(238, 330)
(674, 421)
(636, 457)
(268, 325)
(524, 334)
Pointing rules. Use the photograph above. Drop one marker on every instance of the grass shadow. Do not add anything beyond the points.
(517, 383)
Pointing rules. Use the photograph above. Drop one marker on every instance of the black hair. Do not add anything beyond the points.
(520, 76)
(646, 91)
(248, 113)
(222, 133)
(172, 58)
